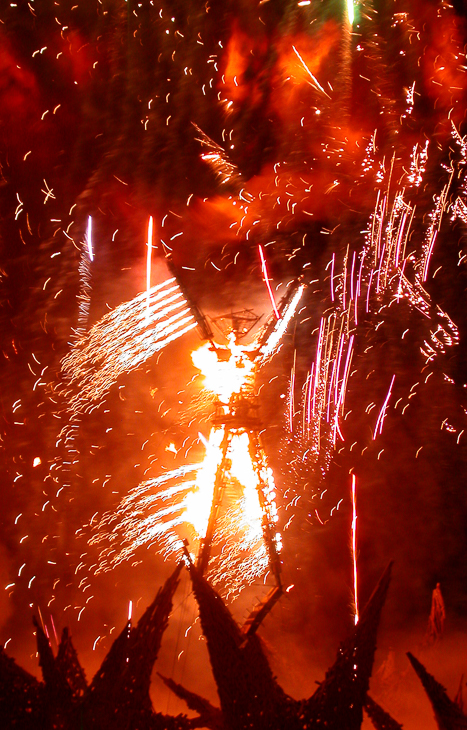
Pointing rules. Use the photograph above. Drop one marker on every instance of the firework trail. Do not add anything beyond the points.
(354, 548)
(378, 272)
(371, 280)
(84, 297)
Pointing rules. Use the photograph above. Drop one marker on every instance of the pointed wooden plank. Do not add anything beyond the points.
(338, 702)
(209, 716)
(21, 696)
(68, 663)
(249, 694)
(381, 719)
(448, 714)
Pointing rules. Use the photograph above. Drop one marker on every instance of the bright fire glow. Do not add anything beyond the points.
(275, 337)
(197, 503)
(231, 457)
(224, 377)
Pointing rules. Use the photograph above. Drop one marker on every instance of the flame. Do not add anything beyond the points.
(197, 503)
(228, 378)
(224, 377)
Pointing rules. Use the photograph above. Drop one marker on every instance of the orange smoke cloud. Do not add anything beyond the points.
(299, 71)
(313, 50)
(80, 56)
(245, 59)
(281, 79)
(18, 90)
(277, 200)
(249, 59)
(445, 78)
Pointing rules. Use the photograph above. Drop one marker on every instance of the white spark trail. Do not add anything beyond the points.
(123, 340)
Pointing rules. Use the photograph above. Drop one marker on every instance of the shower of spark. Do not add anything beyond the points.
(118, 343)
(84, 296)
(372, 279)
(121, 341)
(268, 347)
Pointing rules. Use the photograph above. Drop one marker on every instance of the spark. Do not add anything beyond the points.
(234, 475)
(354, 548)
(375, 273)
(383, 411)
(84, 297)
(121, 341)
(48, 192)
(266, 281)
(269, 347)
(315, 81)
(89, 239)
(148, 265)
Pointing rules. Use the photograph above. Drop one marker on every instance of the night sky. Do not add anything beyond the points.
(238, 125)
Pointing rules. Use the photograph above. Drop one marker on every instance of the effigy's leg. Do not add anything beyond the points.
(219, 486)
(266, 500)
